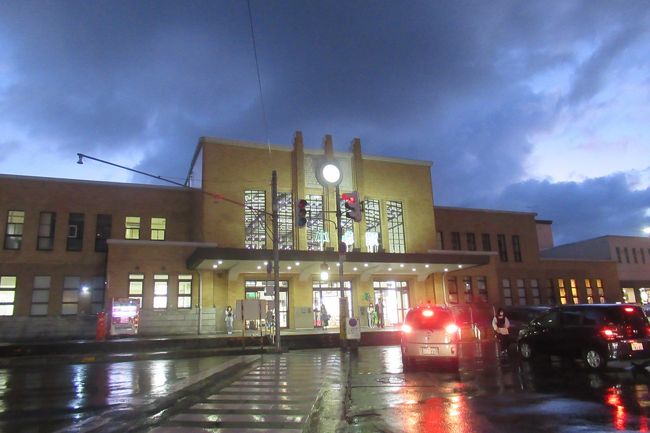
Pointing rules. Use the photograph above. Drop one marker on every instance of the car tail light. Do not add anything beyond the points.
(452, 328)
(629, 309)
(647, 331)
(406, 328)
(610, 333)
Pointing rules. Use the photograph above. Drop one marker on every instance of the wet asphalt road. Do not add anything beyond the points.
(49, 398)
(327, 391)
(490, 395)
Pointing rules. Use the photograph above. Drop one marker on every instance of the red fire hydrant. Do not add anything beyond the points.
(100, 332)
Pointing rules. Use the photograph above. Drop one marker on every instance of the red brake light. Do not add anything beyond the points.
(452, 328)
(427, 313)
(609, 333)
(629, 309)
(406, 328)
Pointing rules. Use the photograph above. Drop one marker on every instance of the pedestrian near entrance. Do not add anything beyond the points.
(500, 324)
(324, 316)
(379, 308)
(372, 317)
(229, 319)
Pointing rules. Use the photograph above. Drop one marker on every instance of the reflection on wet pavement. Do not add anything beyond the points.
(46, 398)
(491, 395)
(485, 395)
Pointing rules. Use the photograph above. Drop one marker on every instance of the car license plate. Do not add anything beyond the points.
(429, 350)
(637, 346)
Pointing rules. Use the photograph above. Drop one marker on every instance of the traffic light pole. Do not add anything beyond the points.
(276, 256)
(343, 302)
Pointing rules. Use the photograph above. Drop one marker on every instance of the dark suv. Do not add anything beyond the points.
(596, 333)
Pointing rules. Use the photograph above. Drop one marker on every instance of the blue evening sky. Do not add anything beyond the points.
(539, 106)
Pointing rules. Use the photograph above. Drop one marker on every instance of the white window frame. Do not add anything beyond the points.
(160, 291)
(132, 227)
(184, 299)
(70, 296)
(136, 287)
(8, 285)
(158, 228)
(41, 295)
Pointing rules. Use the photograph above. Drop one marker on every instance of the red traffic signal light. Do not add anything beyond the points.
(301, 213)
(352, 205)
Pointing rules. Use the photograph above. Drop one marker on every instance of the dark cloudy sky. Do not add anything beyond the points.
(539, 106)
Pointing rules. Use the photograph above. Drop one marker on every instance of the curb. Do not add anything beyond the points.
(122, 418)
(41, 360)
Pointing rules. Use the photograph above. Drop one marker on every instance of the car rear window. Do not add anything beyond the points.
(616, 316)
(438, 320)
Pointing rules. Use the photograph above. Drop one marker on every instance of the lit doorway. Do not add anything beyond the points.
(327, 293)
(395, 300)
(257, 289)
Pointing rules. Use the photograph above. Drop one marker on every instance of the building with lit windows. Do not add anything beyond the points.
(518, 274)
(630, 253)
(183, 254)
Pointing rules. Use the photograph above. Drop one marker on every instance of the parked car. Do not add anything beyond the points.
(429, 333)
(596, 333)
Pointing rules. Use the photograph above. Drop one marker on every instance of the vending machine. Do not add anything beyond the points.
(125, 316)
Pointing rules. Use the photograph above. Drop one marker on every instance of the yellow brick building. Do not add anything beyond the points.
(185, 253)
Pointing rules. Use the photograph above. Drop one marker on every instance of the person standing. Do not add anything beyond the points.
(270, 320)
(324, 317)
(500, 324)
(371, 315)
(229, 319)
(379, 308)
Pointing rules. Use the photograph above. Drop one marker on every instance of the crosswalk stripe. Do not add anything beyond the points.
(238, 418)
(275, 397)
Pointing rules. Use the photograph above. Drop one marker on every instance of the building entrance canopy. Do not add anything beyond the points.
(307, 263)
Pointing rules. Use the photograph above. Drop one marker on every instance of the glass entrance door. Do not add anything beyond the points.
(394, 298)
(326, 303)
(256, 289)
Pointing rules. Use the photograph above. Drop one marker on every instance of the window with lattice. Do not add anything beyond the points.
(255, 219)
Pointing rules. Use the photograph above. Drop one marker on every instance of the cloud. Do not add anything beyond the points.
(607, 205)
(591, 74)
(466, 85)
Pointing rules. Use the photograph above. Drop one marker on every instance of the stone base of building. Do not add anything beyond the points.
(179, 322)
(47, 328)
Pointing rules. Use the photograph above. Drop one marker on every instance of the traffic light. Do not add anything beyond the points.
(301, 212)
(352, 205)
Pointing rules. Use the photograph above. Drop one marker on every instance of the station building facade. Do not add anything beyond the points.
(630, 253)
(185, 253)
(518, 273)
(71, 247)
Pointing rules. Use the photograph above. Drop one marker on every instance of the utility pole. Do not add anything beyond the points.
(276, 255)
(343, 302)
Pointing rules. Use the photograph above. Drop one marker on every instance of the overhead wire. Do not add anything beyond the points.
(259, 77)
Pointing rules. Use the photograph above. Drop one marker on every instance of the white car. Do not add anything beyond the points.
(429, 333)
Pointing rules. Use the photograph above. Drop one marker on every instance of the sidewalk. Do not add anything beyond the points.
(31, 353)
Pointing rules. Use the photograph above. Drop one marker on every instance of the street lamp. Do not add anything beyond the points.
(324, 272)
(328, 174)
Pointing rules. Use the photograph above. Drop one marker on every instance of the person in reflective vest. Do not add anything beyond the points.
(500, 324)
